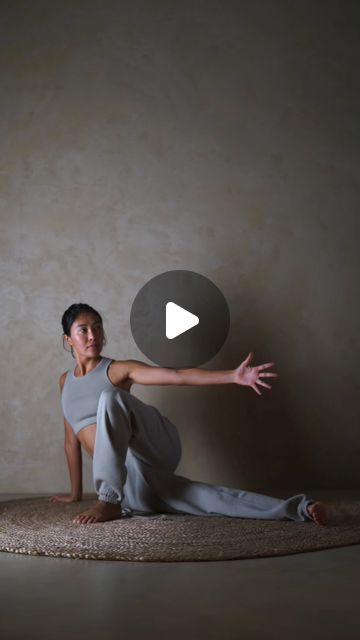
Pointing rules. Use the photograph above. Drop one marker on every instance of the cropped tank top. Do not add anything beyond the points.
(80, 396)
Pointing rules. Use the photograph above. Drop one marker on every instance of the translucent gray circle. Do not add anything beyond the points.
(195, 293)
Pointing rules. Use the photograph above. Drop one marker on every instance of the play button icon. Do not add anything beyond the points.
(179, 319)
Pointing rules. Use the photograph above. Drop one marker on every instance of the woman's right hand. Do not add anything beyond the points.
(65, 498)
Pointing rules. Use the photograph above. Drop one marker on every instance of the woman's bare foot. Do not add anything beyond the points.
(100, 512)
(319, 512)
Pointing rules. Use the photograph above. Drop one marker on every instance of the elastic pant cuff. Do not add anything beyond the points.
(106, 498)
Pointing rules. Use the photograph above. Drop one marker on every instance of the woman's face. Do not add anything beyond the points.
(87, 335)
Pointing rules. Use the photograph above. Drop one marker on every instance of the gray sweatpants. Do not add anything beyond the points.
(136, 452)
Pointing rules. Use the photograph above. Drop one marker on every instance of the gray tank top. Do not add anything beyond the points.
(80, 396)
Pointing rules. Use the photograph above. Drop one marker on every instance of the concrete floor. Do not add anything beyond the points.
(311, 595)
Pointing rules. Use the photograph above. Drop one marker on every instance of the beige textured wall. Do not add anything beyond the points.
(222, 137)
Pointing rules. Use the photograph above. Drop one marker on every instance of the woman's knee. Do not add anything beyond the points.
(111, 403)
(110, 395)
(112, 398)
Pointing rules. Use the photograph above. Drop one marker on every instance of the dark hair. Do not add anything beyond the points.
(70, 315)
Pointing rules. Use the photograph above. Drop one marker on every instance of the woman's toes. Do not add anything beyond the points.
(319, 512)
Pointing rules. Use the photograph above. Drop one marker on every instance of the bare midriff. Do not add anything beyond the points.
(86, 437)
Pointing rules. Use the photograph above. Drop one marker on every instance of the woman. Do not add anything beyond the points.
(135, 449)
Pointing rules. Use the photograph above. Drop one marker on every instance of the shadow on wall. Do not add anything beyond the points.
(237, 437)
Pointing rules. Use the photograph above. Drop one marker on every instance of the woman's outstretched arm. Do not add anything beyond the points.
(141, 373)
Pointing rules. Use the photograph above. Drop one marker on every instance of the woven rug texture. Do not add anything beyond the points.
(37, 526)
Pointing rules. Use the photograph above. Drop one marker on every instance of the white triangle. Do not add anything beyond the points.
(178, 320)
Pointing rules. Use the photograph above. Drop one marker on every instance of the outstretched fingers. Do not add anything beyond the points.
(268, 375)
(263, 384)
(253, 386)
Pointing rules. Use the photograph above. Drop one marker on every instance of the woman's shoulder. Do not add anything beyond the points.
(118, 371)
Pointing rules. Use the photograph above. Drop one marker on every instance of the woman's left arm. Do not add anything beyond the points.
(141, 373)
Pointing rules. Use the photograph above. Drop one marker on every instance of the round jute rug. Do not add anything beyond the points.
(37, 526)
